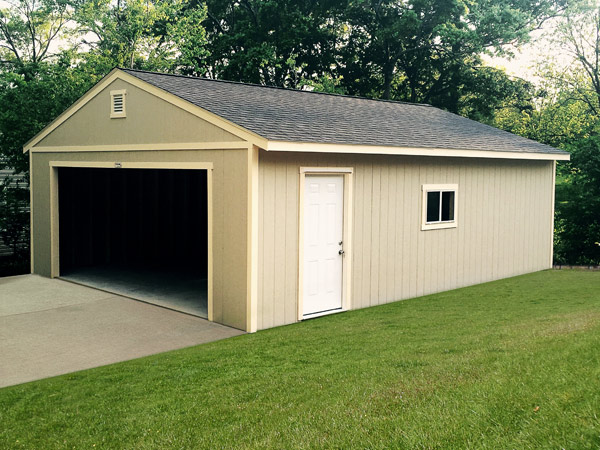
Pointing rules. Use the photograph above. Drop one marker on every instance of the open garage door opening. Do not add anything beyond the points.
(142, 233)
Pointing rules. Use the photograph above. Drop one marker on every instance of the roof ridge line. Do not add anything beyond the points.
(277, 87)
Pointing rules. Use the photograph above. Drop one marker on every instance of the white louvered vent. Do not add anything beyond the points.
(117, 104)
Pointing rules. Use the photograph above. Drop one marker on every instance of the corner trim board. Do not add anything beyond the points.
(252, 242)
(553, 212)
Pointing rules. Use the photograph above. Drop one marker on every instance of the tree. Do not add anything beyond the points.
(37, 82)
(567, 115)
(273, 42)
(578, 211)
(161, 35)
(429, 50)
(35, 100)
(578, 35)
(552, 117)
(415, 50)
(29, 31)
(578, 206)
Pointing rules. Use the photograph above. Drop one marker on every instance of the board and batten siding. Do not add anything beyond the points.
(504, 215)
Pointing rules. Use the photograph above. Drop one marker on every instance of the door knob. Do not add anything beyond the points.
(341, 252)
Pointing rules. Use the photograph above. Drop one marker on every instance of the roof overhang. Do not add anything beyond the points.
(309, 147)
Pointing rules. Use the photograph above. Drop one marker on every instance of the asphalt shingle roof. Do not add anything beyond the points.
(302, 116)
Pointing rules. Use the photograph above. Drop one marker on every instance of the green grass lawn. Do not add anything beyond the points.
(509, 364)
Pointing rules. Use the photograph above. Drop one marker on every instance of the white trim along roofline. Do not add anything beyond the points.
(284, 146)
(261, 142)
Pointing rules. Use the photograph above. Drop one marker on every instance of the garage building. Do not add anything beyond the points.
(256, 206)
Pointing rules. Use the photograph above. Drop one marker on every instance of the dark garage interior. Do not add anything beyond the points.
(142, 233)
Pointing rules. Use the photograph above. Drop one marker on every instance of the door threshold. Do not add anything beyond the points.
(322, 313)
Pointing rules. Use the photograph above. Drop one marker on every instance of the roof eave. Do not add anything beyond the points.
(311, 147)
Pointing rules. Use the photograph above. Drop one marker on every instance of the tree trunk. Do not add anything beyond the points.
(388, 77)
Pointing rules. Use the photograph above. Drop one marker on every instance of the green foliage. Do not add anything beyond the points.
(28, 29)
(276, 42)
(578, 206)
(419, 50)
(36, 95)
(160, 35)
(35, 100)
(577, 35)
(429, 50)
(488, 92)
(554, 120)
(512, 364)
(323, 84)
(567, 116)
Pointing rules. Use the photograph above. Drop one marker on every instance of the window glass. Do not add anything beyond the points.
(447, 206)
(433, 206)
(438, 206)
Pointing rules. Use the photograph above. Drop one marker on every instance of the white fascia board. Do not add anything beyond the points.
(285, 146)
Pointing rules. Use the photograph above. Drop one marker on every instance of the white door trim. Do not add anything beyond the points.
(347, 173)
(54, 219)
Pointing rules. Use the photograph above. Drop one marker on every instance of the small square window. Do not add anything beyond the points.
(117, 104)
(439, 206)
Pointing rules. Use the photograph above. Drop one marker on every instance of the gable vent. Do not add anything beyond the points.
(117, 104)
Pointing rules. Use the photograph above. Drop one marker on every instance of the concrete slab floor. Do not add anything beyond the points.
(175, 288)
(52, 327)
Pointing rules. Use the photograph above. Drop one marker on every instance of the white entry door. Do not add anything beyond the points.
(323, 246)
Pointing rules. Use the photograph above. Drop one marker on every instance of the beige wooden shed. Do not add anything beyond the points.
(256, 206)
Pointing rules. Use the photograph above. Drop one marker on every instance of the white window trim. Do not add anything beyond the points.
(118, 115)
(438, 225)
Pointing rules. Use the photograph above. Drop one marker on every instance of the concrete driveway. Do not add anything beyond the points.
(51, 327)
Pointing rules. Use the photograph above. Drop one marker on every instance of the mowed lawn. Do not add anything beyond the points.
(508, 364)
